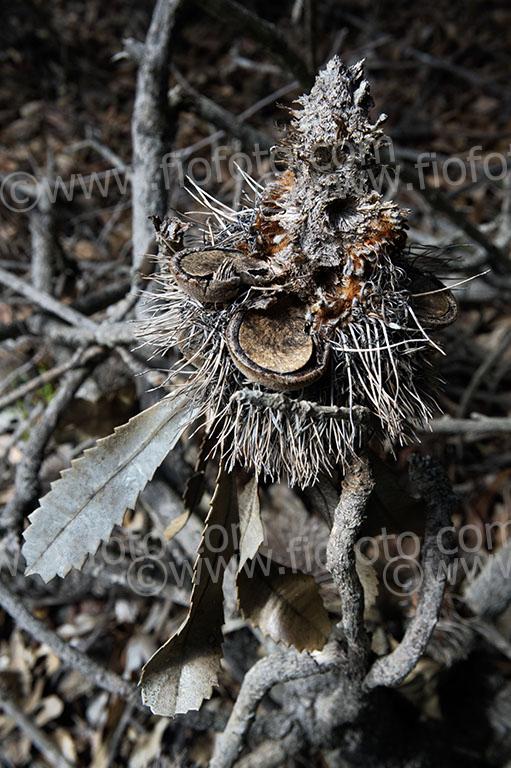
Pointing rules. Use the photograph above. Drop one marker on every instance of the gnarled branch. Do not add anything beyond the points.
(434, 488)
(277, 668)
(349, 516)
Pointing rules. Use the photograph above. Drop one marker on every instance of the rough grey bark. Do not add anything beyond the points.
(276, 668)
(41, 236)
(437, 547)
(148, 129)
(349, 517)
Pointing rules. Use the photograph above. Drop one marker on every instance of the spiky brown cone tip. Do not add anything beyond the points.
(301, 312)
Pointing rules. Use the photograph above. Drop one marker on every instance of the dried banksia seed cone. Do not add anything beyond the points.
(303, 319)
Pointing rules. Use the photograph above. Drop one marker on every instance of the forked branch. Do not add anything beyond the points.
(277, 668)
(434, 488)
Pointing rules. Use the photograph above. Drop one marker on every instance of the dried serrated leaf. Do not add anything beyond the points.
(284, 604)
(183, 672)
(92, 496)
(251, 526)
(193, 494)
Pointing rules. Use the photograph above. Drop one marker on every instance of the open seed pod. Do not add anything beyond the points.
(215, 275)
(206, 274)
(271, 346)
(434, 305)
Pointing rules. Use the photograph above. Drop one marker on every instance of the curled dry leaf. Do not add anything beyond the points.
(183, 672)
(176, 525)
(92, 496)
(284, 604)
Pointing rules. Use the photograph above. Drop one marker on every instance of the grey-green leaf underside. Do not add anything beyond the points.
(92, 496)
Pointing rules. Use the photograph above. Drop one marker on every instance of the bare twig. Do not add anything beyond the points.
(105, 152)
(26, 481)
(349, 516)
(209, 110)
(41, 237)
(19, 371)
(266, 100)
(277, 668)
(493, 357)
(438, 200)
(244, 21)
(45, 745)
(436, 492)
(148, 129)
(86, 305)
(23, 426)
(102, 298)
(107, 334)
(462, 73)
(70, 656)
(45, 301)
(115, 738)
(476, 426)
(44, 378)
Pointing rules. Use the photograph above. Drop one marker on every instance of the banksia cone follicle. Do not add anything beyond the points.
(304, 312)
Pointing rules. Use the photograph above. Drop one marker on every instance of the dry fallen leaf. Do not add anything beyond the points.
(49, 709)
(148, 747)
(284, 604)
(182, 673)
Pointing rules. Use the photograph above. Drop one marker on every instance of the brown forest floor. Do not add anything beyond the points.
(441, 73)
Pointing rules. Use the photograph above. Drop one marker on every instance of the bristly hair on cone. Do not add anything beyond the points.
(303, 322)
